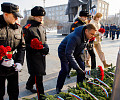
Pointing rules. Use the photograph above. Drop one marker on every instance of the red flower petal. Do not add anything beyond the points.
(8, 48)
(0, 58)
(3, 51)
(101, 30)
(36, 44)
(9, 56)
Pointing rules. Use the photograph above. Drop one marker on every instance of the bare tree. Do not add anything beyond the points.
(23, 21)
(49, 23)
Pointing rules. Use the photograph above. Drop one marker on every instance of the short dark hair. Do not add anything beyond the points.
(91, 26)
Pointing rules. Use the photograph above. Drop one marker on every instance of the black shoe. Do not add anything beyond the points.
(58, 90)
(31, 89)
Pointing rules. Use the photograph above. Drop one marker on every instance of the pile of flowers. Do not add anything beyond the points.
(101, 30)
(98, 88)
(94, 73)
(99, 73)
(4, 52)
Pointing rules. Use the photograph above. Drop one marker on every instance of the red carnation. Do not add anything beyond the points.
(92, 39)
(100, 67)
(9, 56)
(40, 42)
(3, 51)
(0, 58)
(36, 44)
(101, 30)
(102, 77)
(8, 48)
(101, 72)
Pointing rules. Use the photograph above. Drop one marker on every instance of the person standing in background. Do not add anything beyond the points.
(118, 31)
(111, 30)
(106, 30)
(97, 44)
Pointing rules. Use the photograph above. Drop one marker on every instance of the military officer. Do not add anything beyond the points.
(118, 31)
(11, 35)
(106, 31)
(36, 58)
(102, 26)
(113, 31)
(81, 20)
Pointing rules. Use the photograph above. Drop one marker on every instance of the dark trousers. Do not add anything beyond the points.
(65, 69)
(93, 58)
(38, 80)
(117, 35)
(12, 86)
(106, 35)
(110, 34)
(113, 35)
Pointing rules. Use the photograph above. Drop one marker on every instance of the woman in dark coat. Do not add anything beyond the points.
(36, 57)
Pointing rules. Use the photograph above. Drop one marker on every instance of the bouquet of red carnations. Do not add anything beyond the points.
(4, 52)
(36, 44)
(101, 30)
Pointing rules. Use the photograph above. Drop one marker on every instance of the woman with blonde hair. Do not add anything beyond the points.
(97, 43)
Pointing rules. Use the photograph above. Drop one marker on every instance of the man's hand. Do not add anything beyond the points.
(18, 67)
(80, 72)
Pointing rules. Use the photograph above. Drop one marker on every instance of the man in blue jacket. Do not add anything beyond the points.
(69, 52)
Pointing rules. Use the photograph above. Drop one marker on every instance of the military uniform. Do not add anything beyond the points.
(78, 22)
(118, 32)
(11, 35)
(113, 31)
(106, 31)
(102, 26)
(35, 58)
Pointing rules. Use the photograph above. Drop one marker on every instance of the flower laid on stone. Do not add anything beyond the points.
(99, 72)
(95, 89)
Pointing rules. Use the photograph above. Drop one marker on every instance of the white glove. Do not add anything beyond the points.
(7, 62)
(18, 67)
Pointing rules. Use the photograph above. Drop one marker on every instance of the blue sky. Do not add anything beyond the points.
(28, 4)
